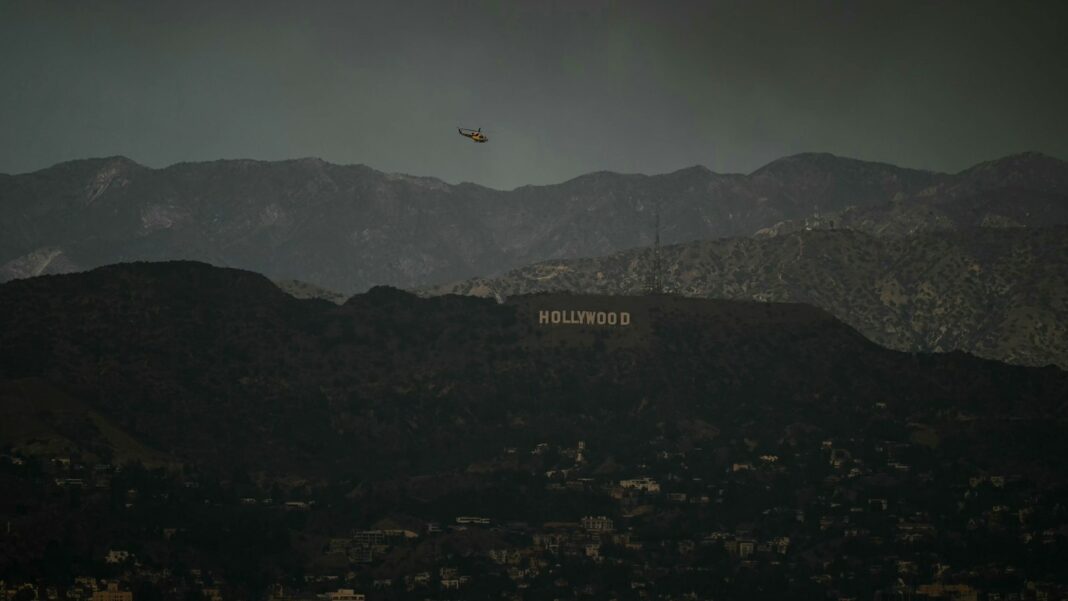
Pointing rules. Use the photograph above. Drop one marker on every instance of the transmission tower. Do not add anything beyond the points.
(655, 283)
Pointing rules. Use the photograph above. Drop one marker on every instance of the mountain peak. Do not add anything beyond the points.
(1029, 158)
(1034, 170)
(693, 170)
(115, 162)
(820, 161)
(120, 160)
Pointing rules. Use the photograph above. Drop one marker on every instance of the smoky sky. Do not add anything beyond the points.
(562, 88)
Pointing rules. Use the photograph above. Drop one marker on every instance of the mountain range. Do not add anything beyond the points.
(347, 228)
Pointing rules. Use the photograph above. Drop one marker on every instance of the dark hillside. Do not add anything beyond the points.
(218, 365)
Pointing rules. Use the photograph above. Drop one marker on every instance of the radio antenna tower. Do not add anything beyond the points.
(655, 285)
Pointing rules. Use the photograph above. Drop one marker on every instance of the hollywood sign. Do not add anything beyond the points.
(588, 318)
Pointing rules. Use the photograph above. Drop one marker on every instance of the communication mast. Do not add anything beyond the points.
(655, 283)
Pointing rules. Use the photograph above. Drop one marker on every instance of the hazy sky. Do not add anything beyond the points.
(563, 88)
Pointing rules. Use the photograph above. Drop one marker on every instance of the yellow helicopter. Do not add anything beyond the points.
(476, 135)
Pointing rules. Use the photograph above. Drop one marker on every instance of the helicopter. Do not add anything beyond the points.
(476, 135)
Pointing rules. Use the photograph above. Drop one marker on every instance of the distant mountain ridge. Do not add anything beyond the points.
(347, 228)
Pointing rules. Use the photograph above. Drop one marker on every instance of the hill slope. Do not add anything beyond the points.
(219, 366)
(997, 293)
